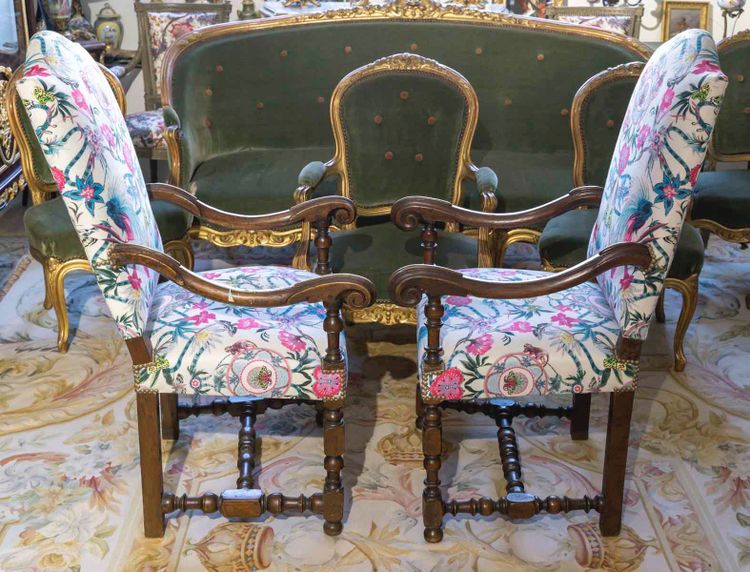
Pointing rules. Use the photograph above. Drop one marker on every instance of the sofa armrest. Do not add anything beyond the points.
(487, 182)
(409, 212)
(408, 284)
(309, 178)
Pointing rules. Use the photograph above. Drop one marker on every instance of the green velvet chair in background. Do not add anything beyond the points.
(53, 241)
(403, 125)
(596, 116)
(722, 198)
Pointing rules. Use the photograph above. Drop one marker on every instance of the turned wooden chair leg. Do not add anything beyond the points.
(688, 289)
(333, 489)
(615, 461)
(579, 419)
(432, 447)
(419, 406)
(170, 424)
(152, 484)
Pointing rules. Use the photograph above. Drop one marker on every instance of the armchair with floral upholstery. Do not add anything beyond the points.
(488, 336)
(258, 336)
(159, 26)
(563, 243)
(403, 125)
(52, 239)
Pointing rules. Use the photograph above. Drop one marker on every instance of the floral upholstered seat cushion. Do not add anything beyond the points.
(211, 348)
(147, 129)
(560, 343)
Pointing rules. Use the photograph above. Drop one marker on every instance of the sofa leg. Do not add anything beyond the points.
(333, 489)
(432, 447)
(579, 419)
(615, 461)
(170, 424)
(151, 470)
(688, 289)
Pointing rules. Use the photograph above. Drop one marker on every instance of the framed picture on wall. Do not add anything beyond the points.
(681, 16)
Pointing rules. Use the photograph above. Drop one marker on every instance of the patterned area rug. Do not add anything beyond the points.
(70, 491)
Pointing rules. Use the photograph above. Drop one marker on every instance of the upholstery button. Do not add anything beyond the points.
(283, 53)
(540, 57)
(207, 123)
(413, 47)
(388, 155)
(508, 101)
(740, 77)
(404, 95)
(610, 123)
(259, 105)
(209, 92)
(431, 120)
(378, 119)
(348, 50)
(478, 51)
(219, 68)
(419, 157)
(564, 111)
(321, 99)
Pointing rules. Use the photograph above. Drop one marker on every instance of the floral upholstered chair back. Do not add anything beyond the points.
(403, 125)
(82, 132)
(659, 153)
(160, 25)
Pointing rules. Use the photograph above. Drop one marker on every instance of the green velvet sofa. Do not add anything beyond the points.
(247, 103)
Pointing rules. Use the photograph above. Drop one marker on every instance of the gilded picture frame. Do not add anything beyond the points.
(680, 16)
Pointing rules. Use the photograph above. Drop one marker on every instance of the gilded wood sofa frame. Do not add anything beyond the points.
(395, 10)
(56, 270)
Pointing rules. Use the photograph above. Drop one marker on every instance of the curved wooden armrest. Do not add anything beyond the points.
(407, 284)
(314, 210)
(350, 289)
(409, 212)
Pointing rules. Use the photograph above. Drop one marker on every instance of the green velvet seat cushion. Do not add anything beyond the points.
(723, 197)
(256, 181)
(376, 251)
(565, 240)
(51, 234)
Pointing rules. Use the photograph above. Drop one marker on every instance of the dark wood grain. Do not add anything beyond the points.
(350, 289)
(408, 284)
(615, 461)
(149, 442)
(341, 209)
(410, 212)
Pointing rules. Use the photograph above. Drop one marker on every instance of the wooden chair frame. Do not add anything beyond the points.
(384, 311)
(159, 414)
(56, 270)
(409, 284)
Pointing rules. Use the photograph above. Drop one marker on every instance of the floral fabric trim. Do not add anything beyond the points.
(657, 159)
(205, 347)
(147, 129)
(561, 343)
(85, 141)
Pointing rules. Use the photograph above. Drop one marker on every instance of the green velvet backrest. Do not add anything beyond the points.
(732, 133)
(400, 124)
(597, 113)
(267, 84)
